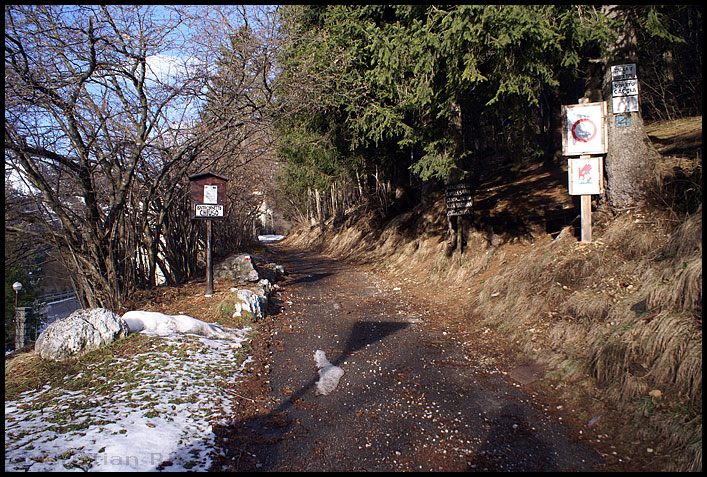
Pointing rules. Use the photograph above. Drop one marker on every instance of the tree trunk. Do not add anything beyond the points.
(629, 160)
(318, 200)
(630, 156)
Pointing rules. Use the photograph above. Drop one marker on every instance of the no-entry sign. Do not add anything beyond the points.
(584, 129)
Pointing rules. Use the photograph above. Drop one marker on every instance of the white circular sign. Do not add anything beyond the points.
(584, 130)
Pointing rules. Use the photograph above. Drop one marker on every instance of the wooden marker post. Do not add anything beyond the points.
(209, 261)
(586, 213)
(460, 202)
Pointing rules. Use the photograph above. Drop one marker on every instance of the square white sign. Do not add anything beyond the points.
(210, 194)
(586, 175)
(584, 129)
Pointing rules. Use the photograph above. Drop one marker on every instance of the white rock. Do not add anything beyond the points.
(79, 333)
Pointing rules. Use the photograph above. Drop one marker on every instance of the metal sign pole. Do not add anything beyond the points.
(209, 262)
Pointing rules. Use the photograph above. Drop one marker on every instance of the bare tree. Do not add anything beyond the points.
(104, 118)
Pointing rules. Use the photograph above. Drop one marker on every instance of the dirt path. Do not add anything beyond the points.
(411, 398)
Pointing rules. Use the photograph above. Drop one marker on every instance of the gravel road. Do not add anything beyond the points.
(411, 397)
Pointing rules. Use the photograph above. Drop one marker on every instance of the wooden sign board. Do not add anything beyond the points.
(586, 175)
(459, 198)
(584, 129)
(208, 196)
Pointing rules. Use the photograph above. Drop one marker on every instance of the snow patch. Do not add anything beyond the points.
(270, 238)
(329, 374)
(152, 322)
(157, 413)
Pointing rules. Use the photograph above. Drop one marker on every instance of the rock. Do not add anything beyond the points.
(243, 267)
(260, 276)
(567, 233)
(238, 267)
(80, 332)
(250, 301)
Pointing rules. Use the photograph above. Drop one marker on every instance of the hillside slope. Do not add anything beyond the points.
(614, 326)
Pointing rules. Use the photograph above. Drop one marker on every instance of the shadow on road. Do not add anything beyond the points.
(264, 431)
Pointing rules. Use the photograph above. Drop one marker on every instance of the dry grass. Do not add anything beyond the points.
(627, 312)
(620, 318)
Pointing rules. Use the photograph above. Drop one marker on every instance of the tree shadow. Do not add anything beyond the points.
(514, 444)
(511, 445)
(264, 433)
(310, 278)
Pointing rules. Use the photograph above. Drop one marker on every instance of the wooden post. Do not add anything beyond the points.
(209, 261)
(584, 133)
(586, 211)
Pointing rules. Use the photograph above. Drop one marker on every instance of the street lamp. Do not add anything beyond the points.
(17, 286)
(19, 327)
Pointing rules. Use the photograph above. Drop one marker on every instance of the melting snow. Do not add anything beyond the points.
(328, 373)
(153, 411)
(152, 322)
(270, 238)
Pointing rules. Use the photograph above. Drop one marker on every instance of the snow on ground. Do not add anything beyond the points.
(270, 238)
(329, 374)
(152, 322)
(152, 412)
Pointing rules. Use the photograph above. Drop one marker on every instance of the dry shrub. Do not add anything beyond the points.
(633, 239)
(631, 339)
(678, 286)
(676, 185)
(662, 352)
(586, 305)
(676, 281)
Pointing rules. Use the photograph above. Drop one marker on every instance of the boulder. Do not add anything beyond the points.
(250, 301)
(80, 332)
(238, 267)
(243, 267)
